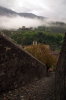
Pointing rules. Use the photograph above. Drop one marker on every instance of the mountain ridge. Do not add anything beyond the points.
(8, 12)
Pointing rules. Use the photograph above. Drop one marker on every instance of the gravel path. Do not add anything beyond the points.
(40, 90)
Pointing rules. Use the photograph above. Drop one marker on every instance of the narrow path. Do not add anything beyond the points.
(40, 90)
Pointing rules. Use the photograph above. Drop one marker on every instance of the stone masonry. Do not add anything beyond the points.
(17, 67)
(60, 79)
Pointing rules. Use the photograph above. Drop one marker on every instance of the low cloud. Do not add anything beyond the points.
(18, 22)
(50, 20)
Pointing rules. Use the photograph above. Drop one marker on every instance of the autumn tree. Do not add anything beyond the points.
(42, 53)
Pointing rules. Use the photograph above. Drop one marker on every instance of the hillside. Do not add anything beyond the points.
(8, 12)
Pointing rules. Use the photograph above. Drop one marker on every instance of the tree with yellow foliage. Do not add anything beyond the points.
(42, 53)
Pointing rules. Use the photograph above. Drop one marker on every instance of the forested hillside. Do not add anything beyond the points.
(53, 27)
(24, 37)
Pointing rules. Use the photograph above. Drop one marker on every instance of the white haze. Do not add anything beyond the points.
(18, 22)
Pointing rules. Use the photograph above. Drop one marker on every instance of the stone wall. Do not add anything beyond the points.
(17, 67)
(61, 74)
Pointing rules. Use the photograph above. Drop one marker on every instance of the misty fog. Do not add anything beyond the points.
(18, 22)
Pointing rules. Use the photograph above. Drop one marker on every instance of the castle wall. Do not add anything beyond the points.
(17, 67)
(61, 74)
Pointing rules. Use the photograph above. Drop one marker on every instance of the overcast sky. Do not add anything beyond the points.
(47, 8)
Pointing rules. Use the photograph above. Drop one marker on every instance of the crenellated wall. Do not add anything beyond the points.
(17, 67)
(61, 74)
